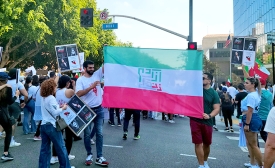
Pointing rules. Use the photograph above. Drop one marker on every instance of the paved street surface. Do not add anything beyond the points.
(162, 145)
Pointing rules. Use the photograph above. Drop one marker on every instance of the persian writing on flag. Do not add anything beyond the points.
(154, 79)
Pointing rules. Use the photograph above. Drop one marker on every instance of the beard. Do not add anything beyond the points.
(90, 72)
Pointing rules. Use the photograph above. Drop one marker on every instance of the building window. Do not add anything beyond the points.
(219, 45)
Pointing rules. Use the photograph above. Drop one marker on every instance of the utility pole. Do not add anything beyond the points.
(190, 37)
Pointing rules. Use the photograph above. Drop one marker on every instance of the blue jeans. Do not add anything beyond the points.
(48, 135)
(136, 118)
(255, 123)
(29, 108)
(98, 122)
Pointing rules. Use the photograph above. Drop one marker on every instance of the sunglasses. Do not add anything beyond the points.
(203, 78)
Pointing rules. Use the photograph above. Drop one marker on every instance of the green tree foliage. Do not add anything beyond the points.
(31, 28)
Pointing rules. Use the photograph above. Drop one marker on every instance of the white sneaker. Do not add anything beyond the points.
(171, 121)
(89, 160)
(71, 157)
(92, 142)
(206, 165)
(54, 160)
(247, 165)
(14, 144)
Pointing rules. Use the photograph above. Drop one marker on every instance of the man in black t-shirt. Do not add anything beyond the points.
(239, 97)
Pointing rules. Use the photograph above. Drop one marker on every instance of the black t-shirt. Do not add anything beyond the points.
(226, 103)
(239, 97)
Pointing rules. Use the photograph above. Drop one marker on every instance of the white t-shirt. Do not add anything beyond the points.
(50, 109)
(32, 91)
(94, 97)
(61, 96)
(252, 100)
(13, 86)
(270, 122)
(232, 92)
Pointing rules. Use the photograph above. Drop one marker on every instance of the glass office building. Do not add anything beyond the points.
(255, 18)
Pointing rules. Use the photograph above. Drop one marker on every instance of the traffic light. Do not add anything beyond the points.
(192, 45)
(86, 17)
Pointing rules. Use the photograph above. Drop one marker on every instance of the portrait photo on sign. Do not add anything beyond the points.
(64, 64)
(71, 50)
(76, 104)
(61, 52)
(236, 57)
(238, 43)
(77, 125)
(86, 114)
(250, 44)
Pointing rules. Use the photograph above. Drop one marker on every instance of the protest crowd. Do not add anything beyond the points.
(44, 97)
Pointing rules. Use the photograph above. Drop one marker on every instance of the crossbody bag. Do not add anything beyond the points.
(60, 123)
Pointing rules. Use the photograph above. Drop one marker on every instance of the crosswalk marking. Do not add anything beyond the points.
(236, 132)
(238, 138)
(244, 149)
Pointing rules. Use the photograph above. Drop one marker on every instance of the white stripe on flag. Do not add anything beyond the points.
(177, 82)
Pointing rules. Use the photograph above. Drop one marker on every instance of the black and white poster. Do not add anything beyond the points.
(78, 115)
(67, 57)
(244, 51)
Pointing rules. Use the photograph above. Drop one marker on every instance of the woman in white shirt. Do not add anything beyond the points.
(30, 106)
(63, 95)
(50, 110)
(251, 119)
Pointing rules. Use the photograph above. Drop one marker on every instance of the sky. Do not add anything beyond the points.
(209, 17)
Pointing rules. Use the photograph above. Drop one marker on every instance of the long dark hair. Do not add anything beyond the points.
(3, 92)
(63, 80)
(27, 82)
(35, 80)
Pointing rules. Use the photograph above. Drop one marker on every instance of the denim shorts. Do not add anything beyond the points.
(255, 123)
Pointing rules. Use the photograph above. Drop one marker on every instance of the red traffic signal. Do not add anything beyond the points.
(85, 11)
(192, 45)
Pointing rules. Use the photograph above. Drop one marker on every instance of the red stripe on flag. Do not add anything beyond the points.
(261, 74)
(152, 100)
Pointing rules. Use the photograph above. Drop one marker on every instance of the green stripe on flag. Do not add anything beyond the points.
(154, 58)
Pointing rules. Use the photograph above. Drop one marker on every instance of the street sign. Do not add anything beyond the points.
(109, 26)
(103, 15)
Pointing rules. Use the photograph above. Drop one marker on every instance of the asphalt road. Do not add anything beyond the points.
(162, 145)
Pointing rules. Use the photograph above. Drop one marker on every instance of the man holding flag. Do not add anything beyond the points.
(201, 129)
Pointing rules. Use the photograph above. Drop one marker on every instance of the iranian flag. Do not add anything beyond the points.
(228, 81)
(154, 79)
(258, 70)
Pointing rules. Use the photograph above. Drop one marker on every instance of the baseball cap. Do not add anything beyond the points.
(12, 73)
(224, 89)
(263, 82)
(4, 76)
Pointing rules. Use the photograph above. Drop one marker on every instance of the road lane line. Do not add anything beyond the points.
(196, 156)
(113, 146)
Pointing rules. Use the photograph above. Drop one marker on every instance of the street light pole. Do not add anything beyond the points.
(190, 37)
(273, 73)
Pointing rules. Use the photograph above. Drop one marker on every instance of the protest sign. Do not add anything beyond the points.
(67, 57)
(82, 59)
(243, 51)
(77, 115)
